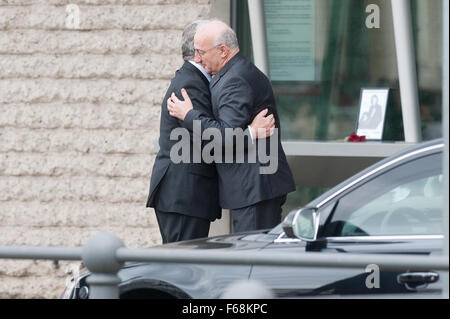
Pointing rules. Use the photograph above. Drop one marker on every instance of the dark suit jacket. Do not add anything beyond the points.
(186, 188)
(238, 93)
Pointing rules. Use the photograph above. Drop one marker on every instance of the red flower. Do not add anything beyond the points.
(355, 138)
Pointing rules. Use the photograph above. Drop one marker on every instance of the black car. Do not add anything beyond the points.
(392, 207)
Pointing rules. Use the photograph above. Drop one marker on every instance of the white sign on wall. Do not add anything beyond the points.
(290, 26)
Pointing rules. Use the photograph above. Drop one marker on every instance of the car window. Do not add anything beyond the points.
(406, 200)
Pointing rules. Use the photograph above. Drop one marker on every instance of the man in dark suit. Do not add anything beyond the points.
(239, 91)
(185, 195)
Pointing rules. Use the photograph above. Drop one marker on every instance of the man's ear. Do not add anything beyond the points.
(224, 51)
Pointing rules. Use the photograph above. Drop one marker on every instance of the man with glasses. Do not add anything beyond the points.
(238, 92)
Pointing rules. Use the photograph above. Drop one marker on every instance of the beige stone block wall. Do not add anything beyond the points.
(79, 118)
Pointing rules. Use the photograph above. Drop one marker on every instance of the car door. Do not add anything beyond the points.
(398, 211)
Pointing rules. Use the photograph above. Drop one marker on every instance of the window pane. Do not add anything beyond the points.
(404, 201)
(412, 210)
(346, 56)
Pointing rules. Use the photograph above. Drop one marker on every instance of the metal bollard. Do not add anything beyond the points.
(99, 256)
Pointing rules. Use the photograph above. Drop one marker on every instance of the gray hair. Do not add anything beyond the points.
(187, 39)
(229, 38)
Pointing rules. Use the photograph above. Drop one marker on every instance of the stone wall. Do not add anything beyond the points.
(79, 118)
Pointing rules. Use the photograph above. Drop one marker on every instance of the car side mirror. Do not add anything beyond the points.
(287, 224)
(302, 224)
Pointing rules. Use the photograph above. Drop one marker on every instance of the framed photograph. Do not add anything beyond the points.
(372, 111)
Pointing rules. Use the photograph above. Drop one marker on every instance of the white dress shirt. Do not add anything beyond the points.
(202, 69)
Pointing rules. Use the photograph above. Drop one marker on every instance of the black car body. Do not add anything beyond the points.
(393, 207)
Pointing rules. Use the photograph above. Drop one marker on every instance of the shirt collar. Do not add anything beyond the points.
(202, 69)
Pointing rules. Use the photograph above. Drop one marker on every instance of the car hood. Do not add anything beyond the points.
(196, 280)
(254, 240)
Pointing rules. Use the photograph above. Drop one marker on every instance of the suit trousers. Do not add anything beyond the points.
(262, 215)
(177, 227)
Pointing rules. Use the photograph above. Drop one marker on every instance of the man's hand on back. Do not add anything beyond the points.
(262, 126)
(178, 108)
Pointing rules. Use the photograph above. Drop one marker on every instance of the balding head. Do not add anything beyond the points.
(216, 43)
(220, 33)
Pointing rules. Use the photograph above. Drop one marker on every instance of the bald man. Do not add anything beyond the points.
(239, 91)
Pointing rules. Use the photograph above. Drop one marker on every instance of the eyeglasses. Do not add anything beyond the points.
(203, 52)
